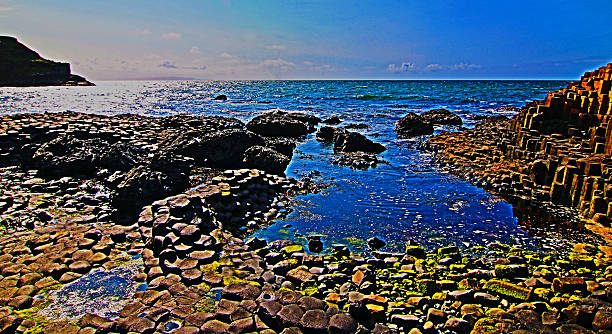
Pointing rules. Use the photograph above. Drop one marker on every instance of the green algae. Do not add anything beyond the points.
(508, 290)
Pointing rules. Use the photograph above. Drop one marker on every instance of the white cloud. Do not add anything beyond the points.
(172, 65)
(171, 35)
(6, 9)
(308, 63)
(226, 55)
(455, 67)
(434, 67)
(276, 47)
(277, 64)
(195, 50)
(404, 67)
(464, 66)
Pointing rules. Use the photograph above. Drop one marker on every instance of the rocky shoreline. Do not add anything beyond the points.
(132, 224)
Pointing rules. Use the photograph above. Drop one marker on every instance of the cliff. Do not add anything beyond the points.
(21, 66)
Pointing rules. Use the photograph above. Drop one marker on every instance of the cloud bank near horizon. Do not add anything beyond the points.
(309, 40)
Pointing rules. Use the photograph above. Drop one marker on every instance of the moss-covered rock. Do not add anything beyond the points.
(508, 290)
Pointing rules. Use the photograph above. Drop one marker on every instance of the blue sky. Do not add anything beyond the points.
(311, 39)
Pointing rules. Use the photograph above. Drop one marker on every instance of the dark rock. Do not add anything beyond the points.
(442, 116)
(278, 123)
(314, 320)
(328, 134)
(290, 315)
(218, 149)
(458, 325)
(486, 299)
(405, 320)
(267, 159)
(602, 320)
(145, 184)
(282, 145)
(244, 325)
(342, 323)
(573, 329)
(214, 327)
(348, 141)
(333, 120)
(315, 244)
(436, 316)
(72, 154)
(221, 97)
(413, 125)
(311, 303)
(375, 243)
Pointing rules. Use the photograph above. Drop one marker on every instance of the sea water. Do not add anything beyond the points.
(405, 198)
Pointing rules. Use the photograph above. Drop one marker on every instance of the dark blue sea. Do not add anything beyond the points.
(407, 198)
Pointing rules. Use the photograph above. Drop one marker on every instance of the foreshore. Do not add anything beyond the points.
(140, 224)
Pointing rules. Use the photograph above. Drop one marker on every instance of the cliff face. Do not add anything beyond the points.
(21, 66)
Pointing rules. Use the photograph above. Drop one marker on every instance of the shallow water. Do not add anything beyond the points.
(406, 198)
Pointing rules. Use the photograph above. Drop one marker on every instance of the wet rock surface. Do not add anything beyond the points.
(442, 117)
(354, 149)
(283, 124)
(413, 125)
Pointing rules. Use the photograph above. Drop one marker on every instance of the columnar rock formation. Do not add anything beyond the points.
(557, 149)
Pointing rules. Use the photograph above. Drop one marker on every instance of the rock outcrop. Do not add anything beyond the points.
(282, 124)
(21, 66)
(442, 116)
(413, 125)
(139, 159)
(556, 150)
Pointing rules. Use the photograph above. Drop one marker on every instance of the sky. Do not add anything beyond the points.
(316, 39)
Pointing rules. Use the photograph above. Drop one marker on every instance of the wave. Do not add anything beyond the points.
(368, 97)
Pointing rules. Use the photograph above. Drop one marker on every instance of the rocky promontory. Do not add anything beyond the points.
(22, 67)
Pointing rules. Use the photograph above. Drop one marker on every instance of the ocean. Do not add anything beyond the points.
(405, 198)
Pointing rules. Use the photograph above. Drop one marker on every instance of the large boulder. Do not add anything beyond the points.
(281, 144)
(281, 124)
(267, 159)
(348, 141)
(69, 155)
(218, 149)
(163, 176)
(413, 125)
(442, 117)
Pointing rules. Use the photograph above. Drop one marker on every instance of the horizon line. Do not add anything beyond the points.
(342, 79)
